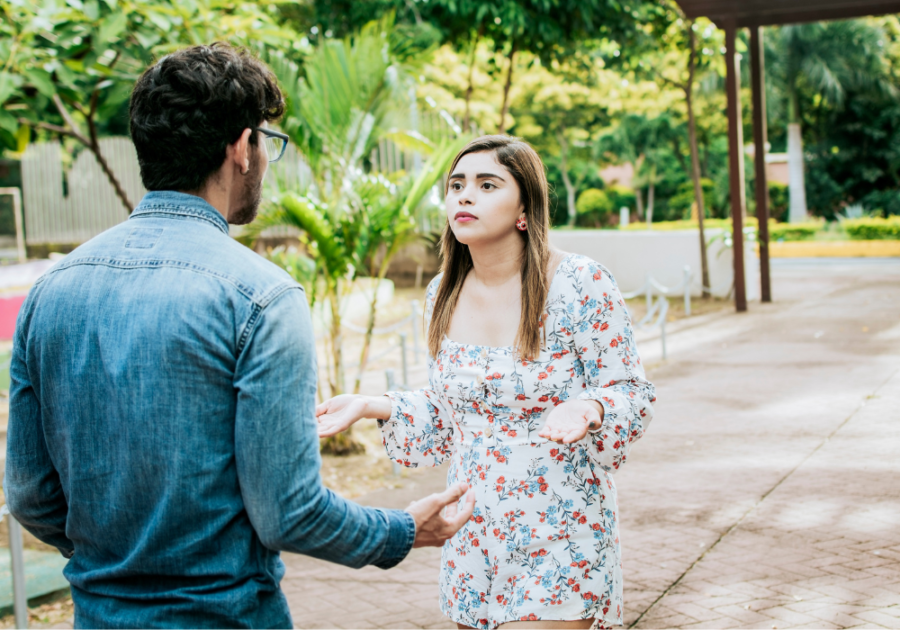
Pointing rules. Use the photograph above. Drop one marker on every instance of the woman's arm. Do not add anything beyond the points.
(613, 373)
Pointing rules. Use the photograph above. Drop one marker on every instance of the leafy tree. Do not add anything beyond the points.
(827, 60)
(676, 52)
(593, 207)
(69, 67)
(559, 111)
(641, 141)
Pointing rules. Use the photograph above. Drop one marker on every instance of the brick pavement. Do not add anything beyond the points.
(766, 493)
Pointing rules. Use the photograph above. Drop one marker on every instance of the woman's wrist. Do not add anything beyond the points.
(378, 407)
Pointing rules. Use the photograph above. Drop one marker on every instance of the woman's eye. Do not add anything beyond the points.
(488, 185)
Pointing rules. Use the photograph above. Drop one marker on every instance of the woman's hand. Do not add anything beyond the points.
(570, 421)
(339, 413)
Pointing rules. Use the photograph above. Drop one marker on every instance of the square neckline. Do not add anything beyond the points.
(549, 290)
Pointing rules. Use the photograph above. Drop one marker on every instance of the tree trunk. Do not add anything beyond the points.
(469, 86)
(343, 443)
(695, 165)
(567, 181)
(651, 196)
(501, 129)
(120, 192)
(639, 201)
(796, 177)
(93, 145)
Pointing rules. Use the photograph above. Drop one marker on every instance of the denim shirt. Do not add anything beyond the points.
(162, 432)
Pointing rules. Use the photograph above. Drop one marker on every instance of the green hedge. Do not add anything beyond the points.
(668, 226)
(871, 229)
(793, 231)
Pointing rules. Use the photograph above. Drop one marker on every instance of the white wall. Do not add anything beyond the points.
(631, 255)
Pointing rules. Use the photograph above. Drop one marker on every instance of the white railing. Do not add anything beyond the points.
(20, 597)
(400, 343)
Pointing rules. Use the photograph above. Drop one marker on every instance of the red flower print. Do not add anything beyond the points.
(595, 526)
(520, 397)
(613, 343)
(479, 519)
(512, 433)
(598, 275)
(604, 326)
(542, 376)
(554, 452)
(543, 399)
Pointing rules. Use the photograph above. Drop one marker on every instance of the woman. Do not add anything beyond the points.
(536, 395)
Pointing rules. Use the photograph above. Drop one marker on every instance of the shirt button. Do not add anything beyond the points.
(484, 354)
(480, 380)
(488, 432)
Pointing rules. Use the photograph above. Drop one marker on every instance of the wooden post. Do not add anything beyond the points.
(735, 163)
(760, 139)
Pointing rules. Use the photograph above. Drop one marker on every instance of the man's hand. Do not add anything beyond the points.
(433, 529)
(570, 421)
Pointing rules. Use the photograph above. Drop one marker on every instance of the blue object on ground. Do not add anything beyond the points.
(43, 574)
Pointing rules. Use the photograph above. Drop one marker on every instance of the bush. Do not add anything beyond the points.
(682, 202)
(779, 201)
(793, 231)
(621, 197)
(593, 208)
(669, 226)
(871, 228)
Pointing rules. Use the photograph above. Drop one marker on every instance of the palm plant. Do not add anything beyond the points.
(352, 94)
(827, 59)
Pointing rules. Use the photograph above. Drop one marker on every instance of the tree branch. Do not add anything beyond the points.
(47, 126)
(75, 132)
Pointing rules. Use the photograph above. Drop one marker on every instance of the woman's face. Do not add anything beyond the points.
(483, 201)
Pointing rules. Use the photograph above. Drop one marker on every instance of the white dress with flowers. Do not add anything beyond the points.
(543, 542)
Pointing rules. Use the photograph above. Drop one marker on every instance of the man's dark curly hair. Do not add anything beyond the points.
(192, 104)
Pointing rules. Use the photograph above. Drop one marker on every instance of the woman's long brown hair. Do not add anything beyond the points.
(525, 165)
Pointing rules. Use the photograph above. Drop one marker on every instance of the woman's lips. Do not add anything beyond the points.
(464, 217)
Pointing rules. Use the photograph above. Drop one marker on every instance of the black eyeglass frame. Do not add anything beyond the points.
(275, 134)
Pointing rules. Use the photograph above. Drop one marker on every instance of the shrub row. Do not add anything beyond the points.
(872, 228)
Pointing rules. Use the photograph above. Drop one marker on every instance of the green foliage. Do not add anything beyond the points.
(793, 231)
(88, 54)
(673, 226)
(779, 200)
(683, 201)
(621, 197)
(873, 228)
(593, 207)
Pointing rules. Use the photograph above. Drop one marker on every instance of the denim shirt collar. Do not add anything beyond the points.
(158, 202)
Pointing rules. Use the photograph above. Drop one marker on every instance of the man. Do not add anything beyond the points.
(162, 432)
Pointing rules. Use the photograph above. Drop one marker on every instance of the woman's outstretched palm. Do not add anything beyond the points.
(339, 413)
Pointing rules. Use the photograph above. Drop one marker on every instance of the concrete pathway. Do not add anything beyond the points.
(766, 493)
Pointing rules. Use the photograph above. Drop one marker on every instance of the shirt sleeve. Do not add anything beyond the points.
(34, 492)
(613, 373)
(277, 451)
(420, 429)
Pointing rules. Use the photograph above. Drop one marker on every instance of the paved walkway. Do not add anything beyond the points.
(766, 494)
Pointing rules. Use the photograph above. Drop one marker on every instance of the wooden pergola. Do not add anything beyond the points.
(731, 15)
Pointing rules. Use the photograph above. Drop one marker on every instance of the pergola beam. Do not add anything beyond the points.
(750, 13)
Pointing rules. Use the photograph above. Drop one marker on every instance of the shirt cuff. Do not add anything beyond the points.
(401, 528)
(593, 395)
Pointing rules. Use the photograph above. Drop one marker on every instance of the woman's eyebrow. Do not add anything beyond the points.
(479, 176)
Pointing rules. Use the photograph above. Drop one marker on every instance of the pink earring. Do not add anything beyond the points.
(522, 224)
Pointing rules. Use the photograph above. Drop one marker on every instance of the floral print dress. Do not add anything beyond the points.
(543, 542)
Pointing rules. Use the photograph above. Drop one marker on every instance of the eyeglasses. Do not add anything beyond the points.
(275, 143)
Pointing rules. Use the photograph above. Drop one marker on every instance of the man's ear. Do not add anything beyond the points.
(239, 152)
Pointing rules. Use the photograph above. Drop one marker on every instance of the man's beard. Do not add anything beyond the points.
(251, 195)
